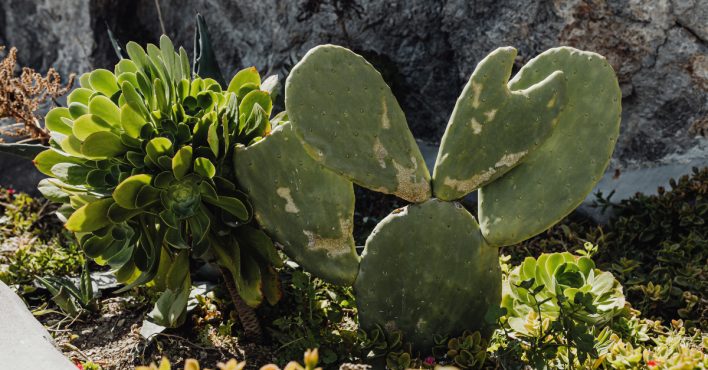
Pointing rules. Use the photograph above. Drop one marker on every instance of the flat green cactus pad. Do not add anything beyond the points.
(554, 179)
(344, 111)
(493, 128)
(300, 204)
(426, 271)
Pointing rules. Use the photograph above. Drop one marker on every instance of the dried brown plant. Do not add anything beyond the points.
(20, 96)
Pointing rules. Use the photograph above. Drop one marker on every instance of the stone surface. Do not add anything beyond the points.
(25, 343)
(425, 49)
(624, 184)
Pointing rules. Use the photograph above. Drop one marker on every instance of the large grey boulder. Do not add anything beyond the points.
(425, 49)
(24, 342)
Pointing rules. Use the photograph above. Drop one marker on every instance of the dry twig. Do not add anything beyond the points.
(20, 96)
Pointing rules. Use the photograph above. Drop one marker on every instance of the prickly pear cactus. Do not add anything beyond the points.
(534, 147)
(352, 123)
(313, 226)
(427, 280)
(493, 128)
(554, 179)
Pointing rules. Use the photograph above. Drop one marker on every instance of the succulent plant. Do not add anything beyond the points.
(141, 159)
(553, 279)
(534, 147)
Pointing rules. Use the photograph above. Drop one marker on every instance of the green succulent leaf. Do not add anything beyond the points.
(131, 120)
(103, 81)
(80, 95)
(182, 162)
(126, 193)
(248, 102)
(71, 173)
(77, 110)
(52, 192)
(204, 167)
(231, 205)
(260, 243)
(45, 160)
(105, 109)
(102, 144)
(91, 216)
(54, 122)
(245, 76)
(157, 147)
(89, 124)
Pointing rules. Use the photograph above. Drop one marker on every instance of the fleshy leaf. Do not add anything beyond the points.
(90, 217)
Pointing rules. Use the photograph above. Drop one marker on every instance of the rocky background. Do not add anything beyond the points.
(426, 49)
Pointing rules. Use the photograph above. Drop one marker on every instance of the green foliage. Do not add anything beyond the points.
(657, 246)
(70, 298)
(556, 302)
(32, 244)
(654, 245)
(56, 257)
(141, 161)
(579, 325)
(468, 351)
(314, 313)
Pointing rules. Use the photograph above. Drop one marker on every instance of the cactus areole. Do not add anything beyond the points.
(533, 147)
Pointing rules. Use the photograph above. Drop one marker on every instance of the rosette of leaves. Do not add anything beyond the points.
(142, 160)
(560, 282)
(468, 351)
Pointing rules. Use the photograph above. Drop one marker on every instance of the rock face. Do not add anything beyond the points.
(25, 343)
(425, 49)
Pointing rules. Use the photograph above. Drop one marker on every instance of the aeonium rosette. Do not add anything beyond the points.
(558, 284)
(142, 160)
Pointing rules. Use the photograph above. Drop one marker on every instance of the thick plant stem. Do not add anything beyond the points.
(246, 313)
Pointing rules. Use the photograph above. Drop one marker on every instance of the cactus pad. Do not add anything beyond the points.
(300, 204)
(426, 271)
(555, 178)
(493, 128)
(344, 111)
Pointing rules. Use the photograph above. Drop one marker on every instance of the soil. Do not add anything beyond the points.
(111, 338)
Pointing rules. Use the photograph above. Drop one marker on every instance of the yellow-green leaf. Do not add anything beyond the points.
(131, 120)
(89, 124)
(105, 109)
(182, 162)
(54, 123)
(102, 144)
(204, 167)
(245, 76)
(103, 81)
(45, 160)
(90, 217)
(259, 97)
(126, 193)
(158, 147)
(80, 95)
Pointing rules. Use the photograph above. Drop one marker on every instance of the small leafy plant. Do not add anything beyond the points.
(556, 302)
(70, 298)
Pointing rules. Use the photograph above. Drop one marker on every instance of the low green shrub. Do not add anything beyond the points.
(570, 321)
(33, 244)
